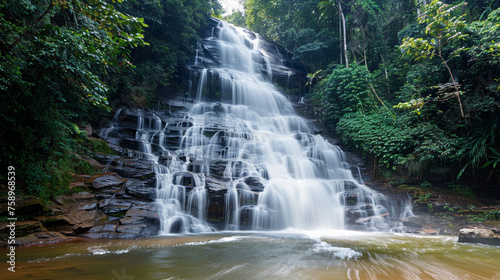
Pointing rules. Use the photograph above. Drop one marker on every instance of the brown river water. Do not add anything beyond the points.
(260, 255)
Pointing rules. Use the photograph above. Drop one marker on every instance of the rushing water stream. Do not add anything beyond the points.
(262, 255)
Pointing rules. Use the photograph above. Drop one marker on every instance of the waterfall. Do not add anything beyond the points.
(247, 161)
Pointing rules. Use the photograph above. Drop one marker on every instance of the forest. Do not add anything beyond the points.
(412, 86)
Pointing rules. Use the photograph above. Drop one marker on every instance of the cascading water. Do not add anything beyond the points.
(248, 161)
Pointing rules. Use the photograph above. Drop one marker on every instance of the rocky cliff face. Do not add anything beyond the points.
(117, 203)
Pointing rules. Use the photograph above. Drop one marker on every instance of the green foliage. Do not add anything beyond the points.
(99, 146)
(493, 215)
(172, 36)
(345, 90)
(237, 18)
(55, 57)
(448, 208)
(423, 198)
(378, 134)
(495, 158)
(460, 190)
(439, 68)
(294, 24)
(443, 29)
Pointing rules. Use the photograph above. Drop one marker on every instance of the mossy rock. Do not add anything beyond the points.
(99, 146)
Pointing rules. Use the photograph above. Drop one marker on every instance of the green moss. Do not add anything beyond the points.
(99, 146)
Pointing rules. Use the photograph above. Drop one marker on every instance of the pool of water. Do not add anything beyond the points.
(260, 255)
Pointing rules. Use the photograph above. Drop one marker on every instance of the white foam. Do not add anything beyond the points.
(216, 241)
(335, 252)
(98, 251)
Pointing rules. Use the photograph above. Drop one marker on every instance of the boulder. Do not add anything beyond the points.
(489, 236)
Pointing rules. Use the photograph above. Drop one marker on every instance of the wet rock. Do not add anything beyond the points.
(199, 166)
(77, 185)
(184, 178)
(131, 220)
(355, 214)
(24, 206)
(410, 224)
(72, 215)
(132, 168)
(107, 180)
(84, 197)
(71, 224)
(141, 190)
(176, 226)
(214, 184)
(351, 199)
(137, 216)
(116, 193)
(113, 206)
(254, 184)
(81, 177)
(133, 229)
(148, 214)
(110, 227)
(96, 166)
(42, 237)
(107, 230)
(88, 207)
(22, 228)
(216, 215)
(217, 169)
(480, 235)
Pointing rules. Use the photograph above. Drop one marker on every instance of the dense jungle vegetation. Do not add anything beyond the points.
(68, 62)
(412, 85)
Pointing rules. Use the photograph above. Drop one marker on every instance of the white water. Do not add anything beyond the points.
(277, 174)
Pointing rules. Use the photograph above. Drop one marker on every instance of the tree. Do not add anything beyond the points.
(237, 18)
(172, 34)
(55, 56)
(443, 30)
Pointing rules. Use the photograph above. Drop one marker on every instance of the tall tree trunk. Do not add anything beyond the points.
(345, 34)
(386, 77)
(340, 38)
(457, 91)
